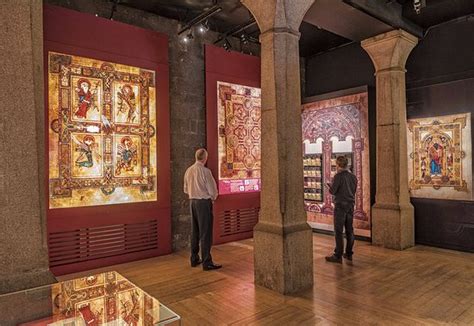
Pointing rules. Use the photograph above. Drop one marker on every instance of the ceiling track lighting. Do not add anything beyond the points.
(236, 30)
(244, 39)
(188, 37)
(203, 27)
(227, 45)
(200, 19)
(114, 9)
(418, 4)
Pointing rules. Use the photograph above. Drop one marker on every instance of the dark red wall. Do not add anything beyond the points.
(237, 68)
(75, 33)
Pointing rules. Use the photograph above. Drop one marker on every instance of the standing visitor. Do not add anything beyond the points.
(343, 189)
(200, 186)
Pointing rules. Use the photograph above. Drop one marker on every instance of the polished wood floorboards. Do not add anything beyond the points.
(418, 286)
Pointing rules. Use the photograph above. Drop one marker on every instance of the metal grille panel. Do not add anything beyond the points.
(238, 221)
(86, 244)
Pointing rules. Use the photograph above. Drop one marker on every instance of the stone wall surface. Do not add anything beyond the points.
(23, 253)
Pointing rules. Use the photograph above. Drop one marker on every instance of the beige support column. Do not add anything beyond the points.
(392, 214)
(23, 252)
(283, 239)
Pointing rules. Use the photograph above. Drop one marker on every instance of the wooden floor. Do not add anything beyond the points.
(419, 286)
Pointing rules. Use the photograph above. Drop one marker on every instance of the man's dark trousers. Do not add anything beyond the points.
(201, 230)
(343, 218)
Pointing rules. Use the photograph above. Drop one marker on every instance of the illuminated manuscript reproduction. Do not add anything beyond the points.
(239, 116)
(102, 123)
(440, 157)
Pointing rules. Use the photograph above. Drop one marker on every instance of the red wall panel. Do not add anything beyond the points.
(85, 35)
(237, 68)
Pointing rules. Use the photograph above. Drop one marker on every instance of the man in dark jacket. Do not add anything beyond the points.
(343, 188)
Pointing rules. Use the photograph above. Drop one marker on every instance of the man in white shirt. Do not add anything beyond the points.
(201, 188)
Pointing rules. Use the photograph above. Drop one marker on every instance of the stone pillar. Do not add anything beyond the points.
(23, 252)
(283, 239)
(392, 214)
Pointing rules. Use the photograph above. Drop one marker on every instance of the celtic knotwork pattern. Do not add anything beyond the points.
(239, 119)
(102, 141)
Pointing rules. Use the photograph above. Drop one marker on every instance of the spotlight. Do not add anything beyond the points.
(227, 45)
(244, 39)
(204, 27)
(188, 37)
(418, 4)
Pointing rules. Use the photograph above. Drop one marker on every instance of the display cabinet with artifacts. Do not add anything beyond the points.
(333, 128)
(312, 172)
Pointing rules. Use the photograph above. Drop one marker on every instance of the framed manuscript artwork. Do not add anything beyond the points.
(102, 132)
(239, 119)
(440, 163)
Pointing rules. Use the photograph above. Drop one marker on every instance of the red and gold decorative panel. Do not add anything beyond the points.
(102, 143)
(439, 151)
(239, 119)
(331, 128)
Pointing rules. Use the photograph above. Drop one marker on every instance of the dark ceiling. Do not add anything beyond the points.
(313, 39)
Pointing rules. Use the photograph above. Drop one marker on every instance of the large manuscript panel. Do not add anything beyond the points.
(102, 123)
(239, 119)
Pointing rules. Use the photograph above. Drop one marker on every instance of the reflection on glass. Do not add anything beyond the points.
(103, 299)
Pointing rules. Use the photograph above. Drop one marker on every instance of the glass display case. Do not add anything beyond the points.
(101, 299)
(313, 172)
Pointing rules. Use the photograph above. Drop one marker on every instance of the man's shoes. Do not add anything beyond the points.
(348, 257)
(334, 259)
(211, 267)
(194, 264)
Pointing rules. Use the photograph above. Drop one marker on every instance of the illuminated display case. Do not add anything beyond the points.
(313, 173)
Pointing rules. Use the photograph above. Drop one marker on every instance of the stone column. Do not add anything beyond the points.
(23, 252)
(283, 239)
(392, 214)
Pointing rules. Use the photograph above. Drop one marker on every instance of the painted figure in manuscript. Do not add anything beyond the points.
(439, 151)
(127, 103)
(127, 156)
(87, 148)
(86, 98)
(436, 158)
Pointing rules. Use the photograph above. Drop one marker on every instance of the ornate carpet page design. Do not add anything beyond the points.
(332, 128)
(102, 123)
(440, 162)
(239, 116)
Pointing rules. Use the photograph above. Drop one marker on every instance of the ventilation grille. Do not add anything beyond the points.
(100, 242)
(238, 221)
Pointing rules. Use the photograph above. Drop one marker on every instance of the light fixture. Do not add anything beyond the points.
(204, 27)
(244, 39)
(188, 37)
(418, 4)
(198, 20)
(114, 9)
(227, 45)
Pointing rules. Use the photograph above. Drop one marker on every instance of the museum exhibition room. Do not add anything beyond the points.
(236, 162)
